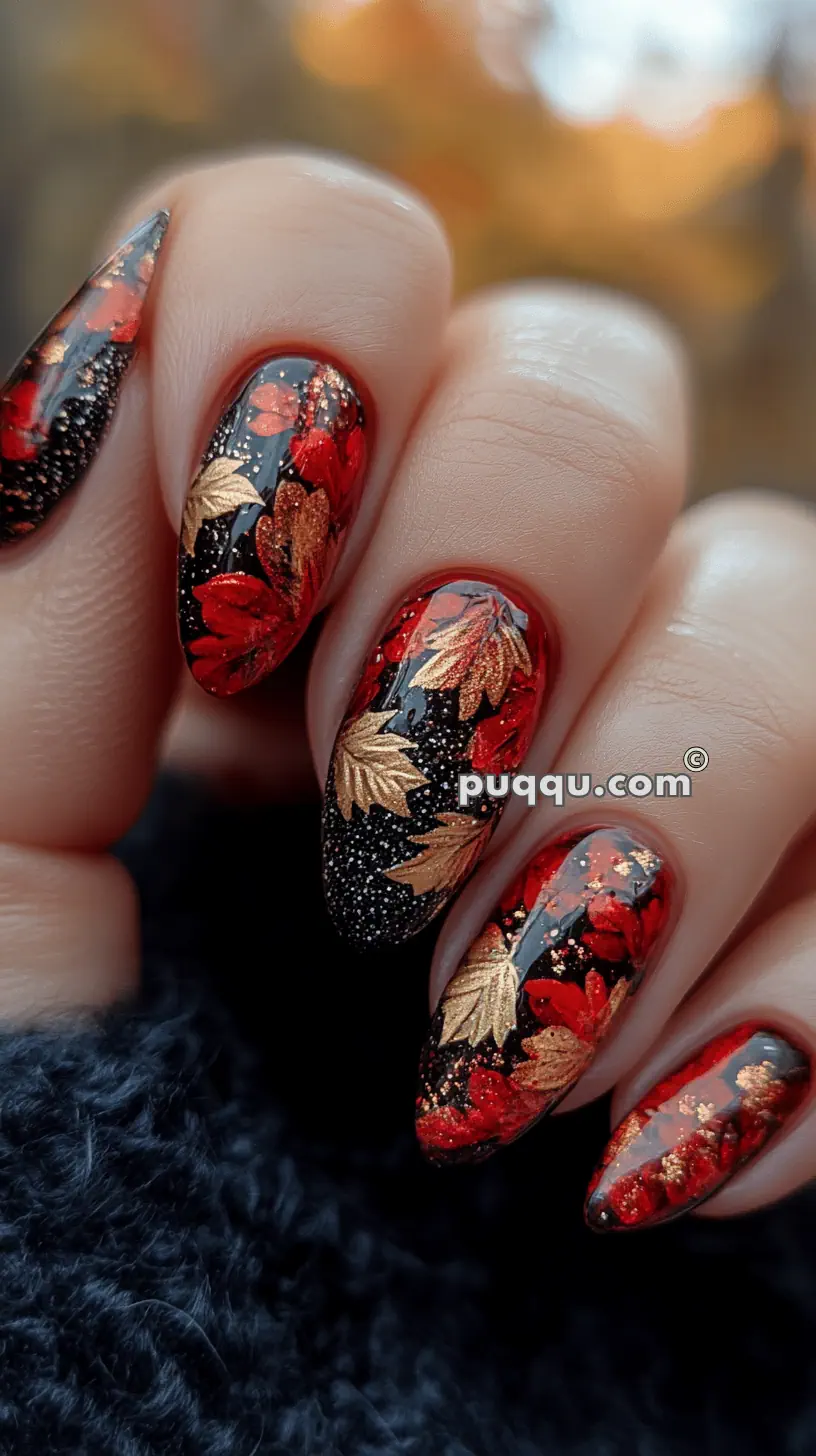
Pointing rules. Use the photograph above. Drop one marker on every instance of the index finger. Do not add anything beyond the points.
(297, 328)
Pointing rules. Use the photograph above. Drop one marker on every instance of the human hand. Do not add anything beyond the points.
(487, 501)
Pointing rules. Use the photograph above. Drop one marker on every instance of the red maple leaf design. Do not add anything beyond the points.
(619, 931)
(534, 881)
(117, 312)
(250, 623)
(498, 1110)
(584, 1009)
(333, 460)
(501, 740)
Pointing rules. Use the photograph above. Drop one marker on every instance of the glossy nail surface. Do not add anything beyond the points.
(58, 401)
(520, 1020)
(265, 519)
(693, 1130)
(453, 686)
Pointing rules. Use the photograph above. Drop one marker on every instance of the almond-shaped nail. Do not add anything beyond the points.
(57, 403)
(521, 1019)
(452, 688)
(696, 1128)
(265, 519)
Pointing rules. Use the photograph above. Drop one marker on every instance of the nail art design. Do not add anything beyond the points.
(453, 686)
(522, 1017)
(265, 519)
(692, 1131)
(58, 401)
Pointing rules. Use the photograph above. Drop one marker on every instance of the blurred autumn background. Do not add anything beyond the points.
(668, 149)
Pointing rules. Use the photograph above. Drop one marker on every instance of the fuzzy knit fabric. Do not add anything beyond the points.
(218, 1237)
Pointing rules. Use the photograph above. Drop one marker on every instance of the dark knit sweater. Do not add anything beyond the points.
(217, 1235)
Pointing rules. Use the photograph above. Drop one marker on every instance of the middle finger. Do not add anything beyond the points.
(534, 496)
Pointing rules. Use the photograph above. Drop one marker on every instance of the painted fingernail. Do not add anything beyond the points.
(58, 401)
(694, 1129)
(522, 1017)
(265, 519)
(453, 687)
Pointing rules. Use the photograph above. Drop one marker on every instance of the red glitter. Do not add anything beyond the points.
(20, 430)
(695, 1128)
(117, 311)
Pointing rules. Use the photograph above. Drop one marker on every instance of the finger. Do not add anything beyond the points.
(87, 641)
(719, 656)
(252, 750)
(68, 932)
(77, 727)
(86, 648)
(533, 497)
(307, 306)
(792, 879)
(731, 1071)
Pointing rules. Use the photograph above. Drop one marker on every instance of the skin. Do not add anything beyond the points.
(537, 433)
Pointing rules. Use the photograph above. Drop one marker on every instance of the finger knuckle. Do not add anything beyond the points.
(323, 198)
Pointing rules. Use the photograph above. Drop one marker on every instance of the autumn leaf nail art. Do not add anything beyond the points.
(265, 519)
(58, 402)
(696, 1128)
(454, 684)
(522, 1017)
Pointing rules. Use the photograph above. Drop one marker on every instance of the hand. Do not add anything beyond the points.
(487, 501)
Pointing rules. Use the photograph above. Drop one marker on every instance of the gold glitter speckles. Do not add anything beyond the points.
(673, 1168)
(53, 351)
(755, 1078)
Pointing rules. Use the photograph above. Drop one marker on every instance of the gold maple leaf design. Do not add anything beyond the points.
(371, 767)
(476, 653)
(557, 1059)
(299, 525)
(451, 850)
(480, 1000)
(617, 996)
(216, 490)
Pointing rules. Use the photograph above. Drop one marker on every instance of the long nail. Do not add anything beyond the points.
(58, 401)
(452, 688)
(522, 1017)
(693, 1130)
(265, 519)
